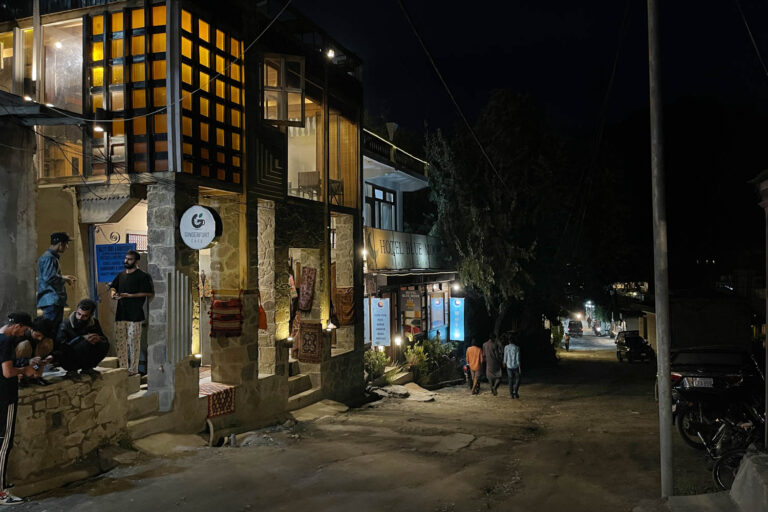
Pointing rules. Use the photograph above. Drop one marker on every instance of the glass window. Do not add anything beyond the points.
(118, 98)
(62, 151)
(117, 74)
(137, 45)
(117, 22)
(137, 18)
(186, 21)
(139, 98)
(380, 207)
(204, 106)
(203, 31)
(138, 72)
(97, 51)
(117, 49)
(305, 154)
(283, 87)
(220, 40)
(6, 61)
(97, 78)
(186, 47)
(158, 97)
(158, 15)
(97, 25)
(63, 61)
(344, 161)
(30, 71)
(205, 56)
(158, 70)
(140, 126)
(158, 43)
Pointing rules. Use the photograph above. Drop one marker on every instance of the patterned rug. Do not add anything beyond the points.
(311, 342)
(221, 398)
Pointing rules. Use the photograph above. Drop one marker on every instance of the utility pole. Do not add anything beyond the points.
(660, 259)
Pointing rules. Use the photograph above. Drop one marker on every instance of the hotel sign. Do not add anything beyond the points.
(394, 250)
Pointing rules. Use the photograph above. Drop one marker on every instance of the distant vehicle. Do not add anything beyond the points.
(632, 347)
(575, 328)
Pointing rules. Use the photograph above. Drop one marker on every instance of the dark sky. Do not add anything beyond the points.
(561, 52)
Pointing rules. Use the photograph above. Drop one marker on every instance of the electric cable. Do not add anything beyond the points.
(751, 37)
(450, 94)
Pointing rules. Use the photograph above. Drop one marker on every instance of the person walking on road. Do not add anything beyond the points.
(512, 363)
(567, 342)
(130, 289)
(475, 362)
(492, 353)
(51, 292)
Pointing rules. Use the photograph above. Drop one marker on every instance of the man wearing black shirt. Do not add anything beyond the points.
(10, 335)
(80, 342)
(130, 288)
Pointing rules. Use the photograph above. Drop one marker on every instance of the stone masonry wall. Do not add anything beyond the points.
(166, 202)
(343, 255)
(60, 423)
(268, 351)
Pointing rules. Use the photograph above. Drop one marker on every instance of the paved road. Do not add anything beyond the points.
(582, 438)
(591, 342)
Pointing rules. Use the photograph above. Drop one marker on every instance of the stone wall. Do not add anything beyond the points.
(17, 216)
(343, 256)
(268, 353)
(60, 423)
(166, 202)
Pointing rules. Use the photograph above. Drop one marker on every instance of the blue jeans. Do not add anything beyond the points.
(514, 380)
(55, 313)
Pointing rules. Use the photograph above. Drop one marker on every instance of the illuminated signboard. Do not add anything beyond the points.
(380, 321)
(457, 319)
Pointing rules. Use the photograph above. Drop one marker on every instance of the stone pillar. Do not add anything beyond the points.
(272, 359)
(166, 203)
(18, 197)
(344, 258)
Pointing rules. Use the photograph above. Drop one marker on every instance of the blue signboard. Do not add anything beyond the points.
(109, 260)
(380, 321)
(457, 319)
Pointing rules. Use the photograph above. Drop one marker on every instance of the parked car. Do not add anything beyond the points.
(575, 328)
(713, 367)
(633, 347)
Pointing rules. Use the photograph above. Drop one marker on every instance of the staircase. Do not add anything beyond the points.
(300, 390)
(143, 417)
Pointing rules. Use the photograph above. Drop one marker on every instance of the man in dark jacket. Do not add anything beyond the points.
(80, 343)
(51, 292)
(493, 353)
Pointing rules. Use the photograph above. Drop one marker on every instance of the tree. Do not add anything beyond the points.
(502, 226)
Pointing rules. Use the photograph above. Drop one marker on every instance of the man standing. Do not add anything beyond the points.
(512, 362)
(130, 288)
(9, 393)
(475, 362)
(80, 342)
(51, 292)
(493, 356)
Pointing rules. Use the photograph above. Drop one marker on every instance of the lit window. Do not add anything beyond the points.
(97, 79)
(186, 21)
(203, 107)
(117, 49)
(117, 22)
(186, 126)
(117, 74)
(161, 125)
(137, 72)
(139, 98)
(158, 43)
(284, 81)
(186, 47)
(158, 15)
(137, 18)
(204, 131)
(186, 73)
(97, 25)
(158, 70)
(158, 97)
(97, 50)
(63, 64)
(140, 126)
(137, 45)
(203, 31)
(220, 40)
(205, 56)
(6, 57)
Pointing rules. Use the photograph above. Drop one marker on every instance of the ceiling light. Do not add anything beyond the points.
(98, 128)
(58, 45)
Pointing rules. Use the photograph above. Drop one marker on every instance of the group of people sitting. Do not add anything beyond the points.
(78, 344)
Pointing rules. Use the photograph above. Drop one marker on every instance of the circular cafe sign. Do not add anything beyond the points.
(199, 227)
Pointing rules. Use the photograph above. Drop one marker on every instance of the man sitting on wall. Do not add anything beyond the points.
(35, 346)
(80, 343)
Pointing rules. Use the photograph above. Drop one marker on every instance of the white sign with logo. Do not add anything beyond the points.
(380, 321)
(198, 227)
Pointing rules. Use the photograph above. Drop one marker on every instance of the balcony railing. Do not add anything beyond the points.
(381, 149)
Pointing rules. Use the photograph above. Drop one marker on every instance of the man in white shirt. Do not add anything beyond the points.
(512, 363)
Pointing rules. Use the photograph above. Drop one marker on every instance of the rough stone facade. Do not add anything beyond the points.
(67, 420)
(269, 355)
(344, 257)
(166, 202)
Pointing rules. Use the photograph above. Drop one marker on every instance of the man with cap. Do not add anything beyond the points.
(51, 292)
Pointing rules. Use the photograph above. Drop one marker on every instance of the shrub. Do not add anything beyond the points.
(374, 363)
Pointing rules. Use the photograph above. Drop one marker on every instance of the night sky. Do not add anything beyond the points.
(561, 53)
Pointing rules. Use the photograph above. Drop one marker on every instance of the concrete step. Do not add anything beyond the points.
(304, 399)
(298, 383)
(148, 425)
(144, 379)
(142, 404)
(110, 362)
(134, 384)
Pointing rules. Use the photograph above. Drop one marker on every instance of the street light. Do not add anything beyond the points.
(330, 53)
(456, 287)
(578, 316)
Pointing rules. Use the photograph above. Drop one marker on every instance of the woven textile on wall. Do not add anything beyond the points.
(310, 342)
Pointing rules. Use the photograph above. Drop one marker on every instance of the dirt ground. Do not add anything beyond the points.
(583, 437)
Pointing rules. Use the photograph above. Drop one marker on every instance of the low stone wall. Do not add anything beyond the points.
(61, 423)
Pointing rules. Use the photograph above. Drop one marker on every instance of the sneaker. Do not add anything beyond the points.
(7, 498)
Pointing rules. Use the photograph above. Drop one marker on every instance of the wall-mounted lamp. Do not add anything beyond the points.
(330, 327)
(330, 53)
(456, 287)
(197, 361)
(365, 253)
(27, 98)
(398, 340)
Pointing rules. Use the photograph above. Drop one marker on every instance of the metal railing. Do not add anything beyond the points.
(180, 307)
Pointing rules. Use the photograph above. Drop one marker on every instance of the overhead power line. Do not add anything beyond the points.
(450, 94)
(751, 37)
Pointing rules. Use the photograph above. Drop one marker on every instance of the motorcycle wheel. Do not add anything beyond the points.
(725, 469)
(685, 422)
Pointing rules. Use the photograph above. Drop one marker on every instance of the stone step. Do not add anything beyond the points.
(134, 384)
(110, 362)
(142, 404)
(144, 379)
(304, 399)
(402, 378)
(298, 384)
(148, 425)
